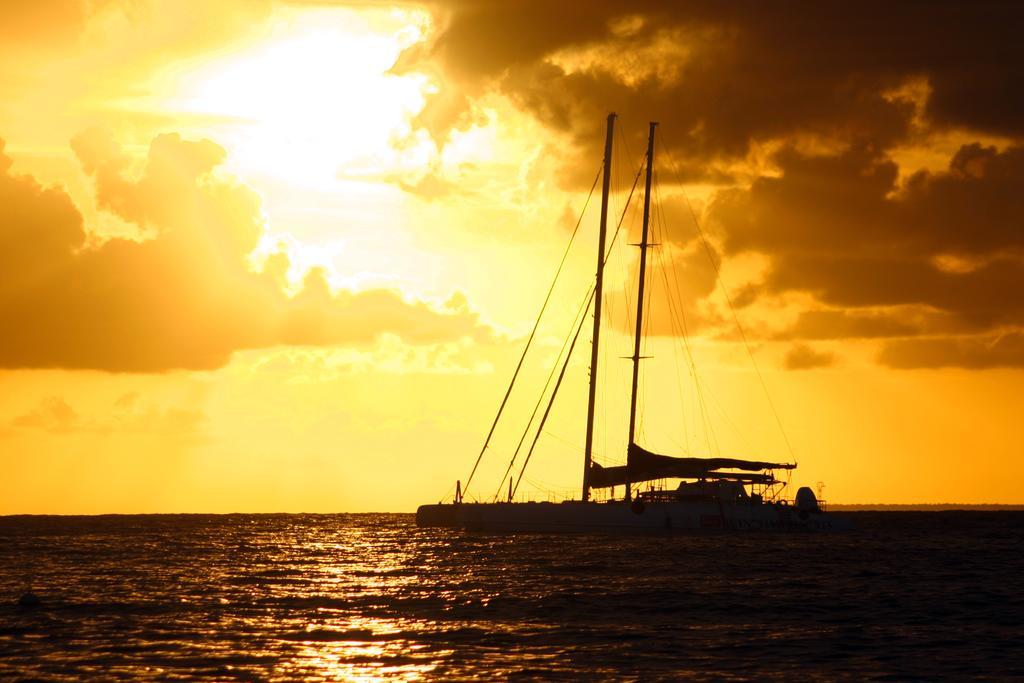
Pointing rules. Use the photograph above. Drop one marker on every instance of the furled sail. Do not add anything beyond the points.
(642, 465)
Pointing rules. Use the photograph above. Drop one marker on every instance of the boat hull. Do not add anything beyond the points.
(621, 517)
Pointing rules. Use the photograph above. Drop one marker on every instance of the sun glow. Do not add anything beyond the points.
(315, 99)
(314, 120)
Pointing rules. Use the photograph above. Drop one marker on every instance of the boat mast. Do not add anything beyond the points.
(644, 244)
(588, 450)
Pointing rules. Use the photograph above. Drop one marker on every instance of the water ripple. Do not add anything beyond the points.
(372, 597)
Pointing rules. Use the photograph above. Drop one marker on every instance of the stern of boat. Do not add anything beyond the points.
(440, 514)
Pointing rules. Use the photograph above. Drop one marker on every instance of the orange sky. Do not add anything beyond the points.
(278, 256)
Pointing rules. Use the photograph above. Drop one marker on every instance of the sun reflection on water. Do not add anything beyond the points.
(332, 642)
(362, 649)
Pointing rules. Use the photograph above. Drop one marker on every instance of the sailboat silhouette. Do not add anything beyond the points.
(713, 494)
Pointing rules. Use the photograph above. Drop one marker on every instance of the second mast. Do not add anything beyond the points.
(638, 335)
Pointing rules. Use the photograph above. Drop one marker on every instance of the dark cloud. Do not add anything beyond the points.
(679, 281)
(986, 295)
(841, 228)
(841, 324)
(925, 258)
(940, 253)
(183, 295)
(803, 357)
(851, 204)
(723, 75)
(883, 323)
(1004, 350)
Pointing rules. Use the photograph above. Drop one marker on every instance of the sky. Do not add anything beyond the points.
(282, 256)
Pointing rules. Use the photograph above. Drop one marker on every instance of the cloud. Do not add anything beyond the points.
(841, 228)
(94, 46)
(803, 357)
(53, 414)
(815, 100)
(1004, 350)
(843, 324)
(182, 295)
(941, 253)
(129, 415)
(824, 93)
(680, 278)
(45, 21)
(723, 77)
(850, 203)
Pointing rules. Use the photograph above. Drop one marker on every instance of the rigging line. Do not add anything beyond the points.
(551, 401)
(603, 383)
(618, 226)
(583, 309)
(448, 492)
(644, 338)
(627, 295)
(552, 490)
(680, 316)
(732, 309)
(636, 213)
(568, 357)
(680, 312)
(661, 234)
(699, 388)
(714, 402)
(565, 442)
(718, 405)
(540, 399)
(533, 332)
(608, 255)
(629, 157)
(661, 225)
(739, 328)
(625, 146)
(676, 307)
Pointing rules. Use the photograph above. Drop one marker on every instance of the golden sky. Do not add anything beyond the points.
(283, 256)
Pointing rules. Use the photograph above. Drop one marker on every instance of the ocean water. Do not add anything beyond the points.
(366, 597)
